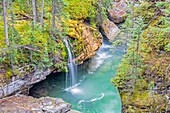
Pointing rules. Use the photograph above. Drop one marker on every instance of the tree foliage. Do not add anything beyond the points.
(147, 58)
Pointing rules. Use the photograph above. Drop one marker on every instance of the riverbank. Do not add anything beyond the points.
(143, 75)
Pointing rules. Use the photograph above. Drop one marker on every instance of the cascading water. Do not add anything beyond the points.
(71, 77)
(94, 93)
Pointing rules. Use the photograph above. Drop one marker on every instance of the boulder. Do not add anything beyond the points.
(121, 4)
(28, 104)
(118, 13)
(110, 30)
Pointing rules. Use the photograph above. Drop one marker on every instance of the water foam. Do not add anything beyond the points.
(92, 100)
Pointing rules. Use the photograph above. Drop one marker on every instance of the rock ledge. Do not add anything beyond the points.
(28, 104)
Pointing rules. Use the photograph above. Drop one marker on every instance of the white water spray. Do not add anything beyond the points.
(71, 77)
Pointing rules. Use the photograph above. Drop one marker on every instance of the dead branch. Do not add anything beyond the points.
(27, 16)
(31, 48)
(26, 46)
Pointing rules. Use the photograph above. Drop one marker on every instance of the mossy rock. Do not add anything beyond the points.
(143, 101)
(86, 39)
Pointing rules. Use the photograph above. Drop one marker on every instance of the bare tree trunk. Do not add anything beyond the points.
(53, 14)
(38, 15)
(42, 13)
(28, 4)
(59, 10)
(100, 19)
(5, 22)
(34, 12)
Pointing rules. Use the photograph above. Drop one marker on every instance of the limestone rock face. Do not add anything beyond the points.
(110, 30)
(118, 13)
(27, 104)
(87, 40)
(22, 84)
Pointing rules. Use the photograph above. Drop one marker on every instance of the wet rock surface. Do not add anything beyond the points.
(110, 30)
(28, 104)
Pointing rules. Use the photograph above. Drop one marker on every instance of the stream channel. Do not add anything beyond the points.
(94, 92)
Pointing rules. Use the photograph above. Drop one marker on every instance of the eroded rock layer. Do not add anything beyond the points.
(27, 104)
(86, 40)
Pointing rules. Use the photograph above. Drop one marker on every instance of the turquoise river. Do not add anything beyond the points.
(94, 92)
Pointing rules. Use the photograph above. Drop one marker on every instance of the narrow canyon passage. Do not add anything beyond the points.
(94, 92)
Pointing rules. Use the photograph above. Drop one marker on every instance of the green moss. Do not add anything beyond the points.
(8, 73)
(140, 69)
(143, 101)
(145, 10)
(17, 72)
(81, 9)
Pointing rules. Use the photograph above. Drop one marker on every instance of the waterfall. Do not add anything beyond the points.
(71, 77)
